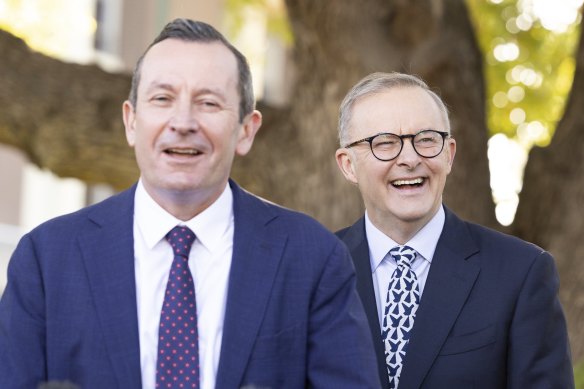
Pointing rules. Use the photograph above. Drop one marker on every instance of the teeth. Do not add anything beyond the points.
(183, 151)
(407, 182)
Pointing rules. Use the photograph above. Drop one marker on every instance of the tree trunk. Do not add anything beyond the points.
(550, 211)
(336, 44)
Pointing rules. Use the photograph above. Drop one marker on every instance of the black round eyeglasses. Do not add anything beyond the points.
(387, 146)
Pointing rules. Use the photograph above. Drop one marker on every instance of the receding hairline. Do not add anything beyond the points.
(349, 106)
(189, 42)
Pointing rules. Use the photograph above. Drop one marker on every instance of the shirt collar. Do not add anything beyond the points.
(424, 242)
(209, 226)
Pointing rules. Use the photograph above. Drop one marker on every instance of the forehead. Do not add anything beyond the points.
(194, 63)
(397, 110)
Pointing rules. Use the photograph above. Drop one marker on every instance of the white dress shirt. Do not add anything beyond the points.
(209, 262)
(383, 266)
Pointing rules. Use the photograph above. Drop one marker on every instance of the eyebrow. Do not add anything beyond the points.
(159, 85)
(169, 87)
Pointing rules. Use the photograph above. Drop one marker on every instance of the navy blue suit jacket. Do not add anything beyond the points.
(293, 317)
(489, 316)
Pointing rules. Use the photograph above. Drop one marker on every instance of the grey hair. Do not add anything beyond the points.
(195, 31)
(377, 83)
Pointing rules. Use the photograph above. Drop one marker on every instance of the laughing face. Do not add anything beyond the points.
(403, 194)
(185, 128)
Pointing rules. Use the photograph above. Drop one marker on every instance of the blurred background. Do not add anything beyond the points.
(511, 72)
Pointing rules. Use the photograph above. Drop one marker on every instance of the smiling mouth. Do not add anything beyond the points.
(415, 182)
(187, 152)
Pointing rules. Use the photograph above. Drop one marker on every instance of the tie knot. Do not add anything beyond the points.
(181, 239)
(403, 255)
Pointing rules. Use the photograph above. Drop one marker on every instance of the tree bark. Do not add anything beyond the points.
(65, 117)
(550, 211)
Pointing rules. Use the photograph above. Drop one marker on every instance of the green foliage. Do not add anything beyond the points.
(579, 375)
(274, 12)
(535, 77)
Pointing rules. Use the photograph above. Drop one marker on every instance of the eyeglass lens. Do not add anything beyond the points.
(426, 143)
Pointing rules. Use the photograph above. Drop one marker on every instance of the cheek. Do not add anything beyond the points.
(374, 179)
(440, 167)
(147, 131)
(223, 136)
(144, 149)
(139, 141)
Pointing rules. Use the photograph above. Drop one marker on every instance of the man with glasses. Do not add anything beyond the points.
(450, 304)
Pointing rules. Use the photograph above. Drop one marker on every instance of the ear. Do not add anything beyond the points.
(345, 161)
(451, 148)
(249, 128)
(129, 122)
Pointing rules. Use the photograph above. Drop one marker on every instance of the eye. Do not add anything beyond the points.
(161, 99)
(208, 105)
(385, 141)
(427, 138)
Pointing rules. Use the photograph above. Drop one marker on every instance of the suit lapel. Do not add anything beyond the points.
(356, 241)
(450, 281)
(256, 258)
(108, 253)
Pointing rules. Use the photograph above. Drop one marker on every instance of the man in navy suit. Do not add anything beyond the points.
(450, 304)
(91, 296)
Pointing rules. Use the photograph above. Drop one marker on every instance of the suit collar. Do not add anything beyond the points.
(108, 253)
(107, 249)
(450, 281)
(451, 278)
(356, 240)
(256, 257)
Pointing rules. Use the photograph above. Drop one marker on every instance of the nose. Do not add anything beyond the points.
(408, 156)
(183, 119)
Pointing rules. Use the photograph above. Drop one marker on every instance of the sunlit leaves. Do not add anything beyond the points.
(272, 11)
(53, 27)
(528, 50)
(528, 47)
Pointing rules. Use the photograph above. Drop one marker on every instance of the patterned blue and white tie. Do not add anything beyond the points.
(403, 299)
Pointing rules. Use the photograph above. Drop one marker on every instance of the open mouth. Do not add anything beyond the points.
(412, 183)
(181, 152)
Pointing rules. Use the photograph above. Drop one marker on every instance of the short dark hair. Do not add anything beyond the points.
(196, 31)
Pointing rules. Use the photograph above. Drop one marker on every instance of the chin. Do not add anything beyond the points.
(413, 213)
(181, 185)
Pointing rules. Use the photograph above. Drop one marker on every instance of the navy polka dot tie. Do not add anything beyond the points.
(403, 299)
(178, 349)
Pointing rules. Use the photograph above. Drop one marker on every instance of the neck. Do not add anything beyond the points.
(184, 204)
(400, 231)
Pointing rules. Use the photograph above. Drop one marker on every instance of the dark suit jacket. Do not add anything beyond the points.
(293, 317)
(489, 316)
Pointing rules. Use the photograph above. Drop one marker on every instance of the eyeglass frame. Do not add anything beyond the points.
(369, 139)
